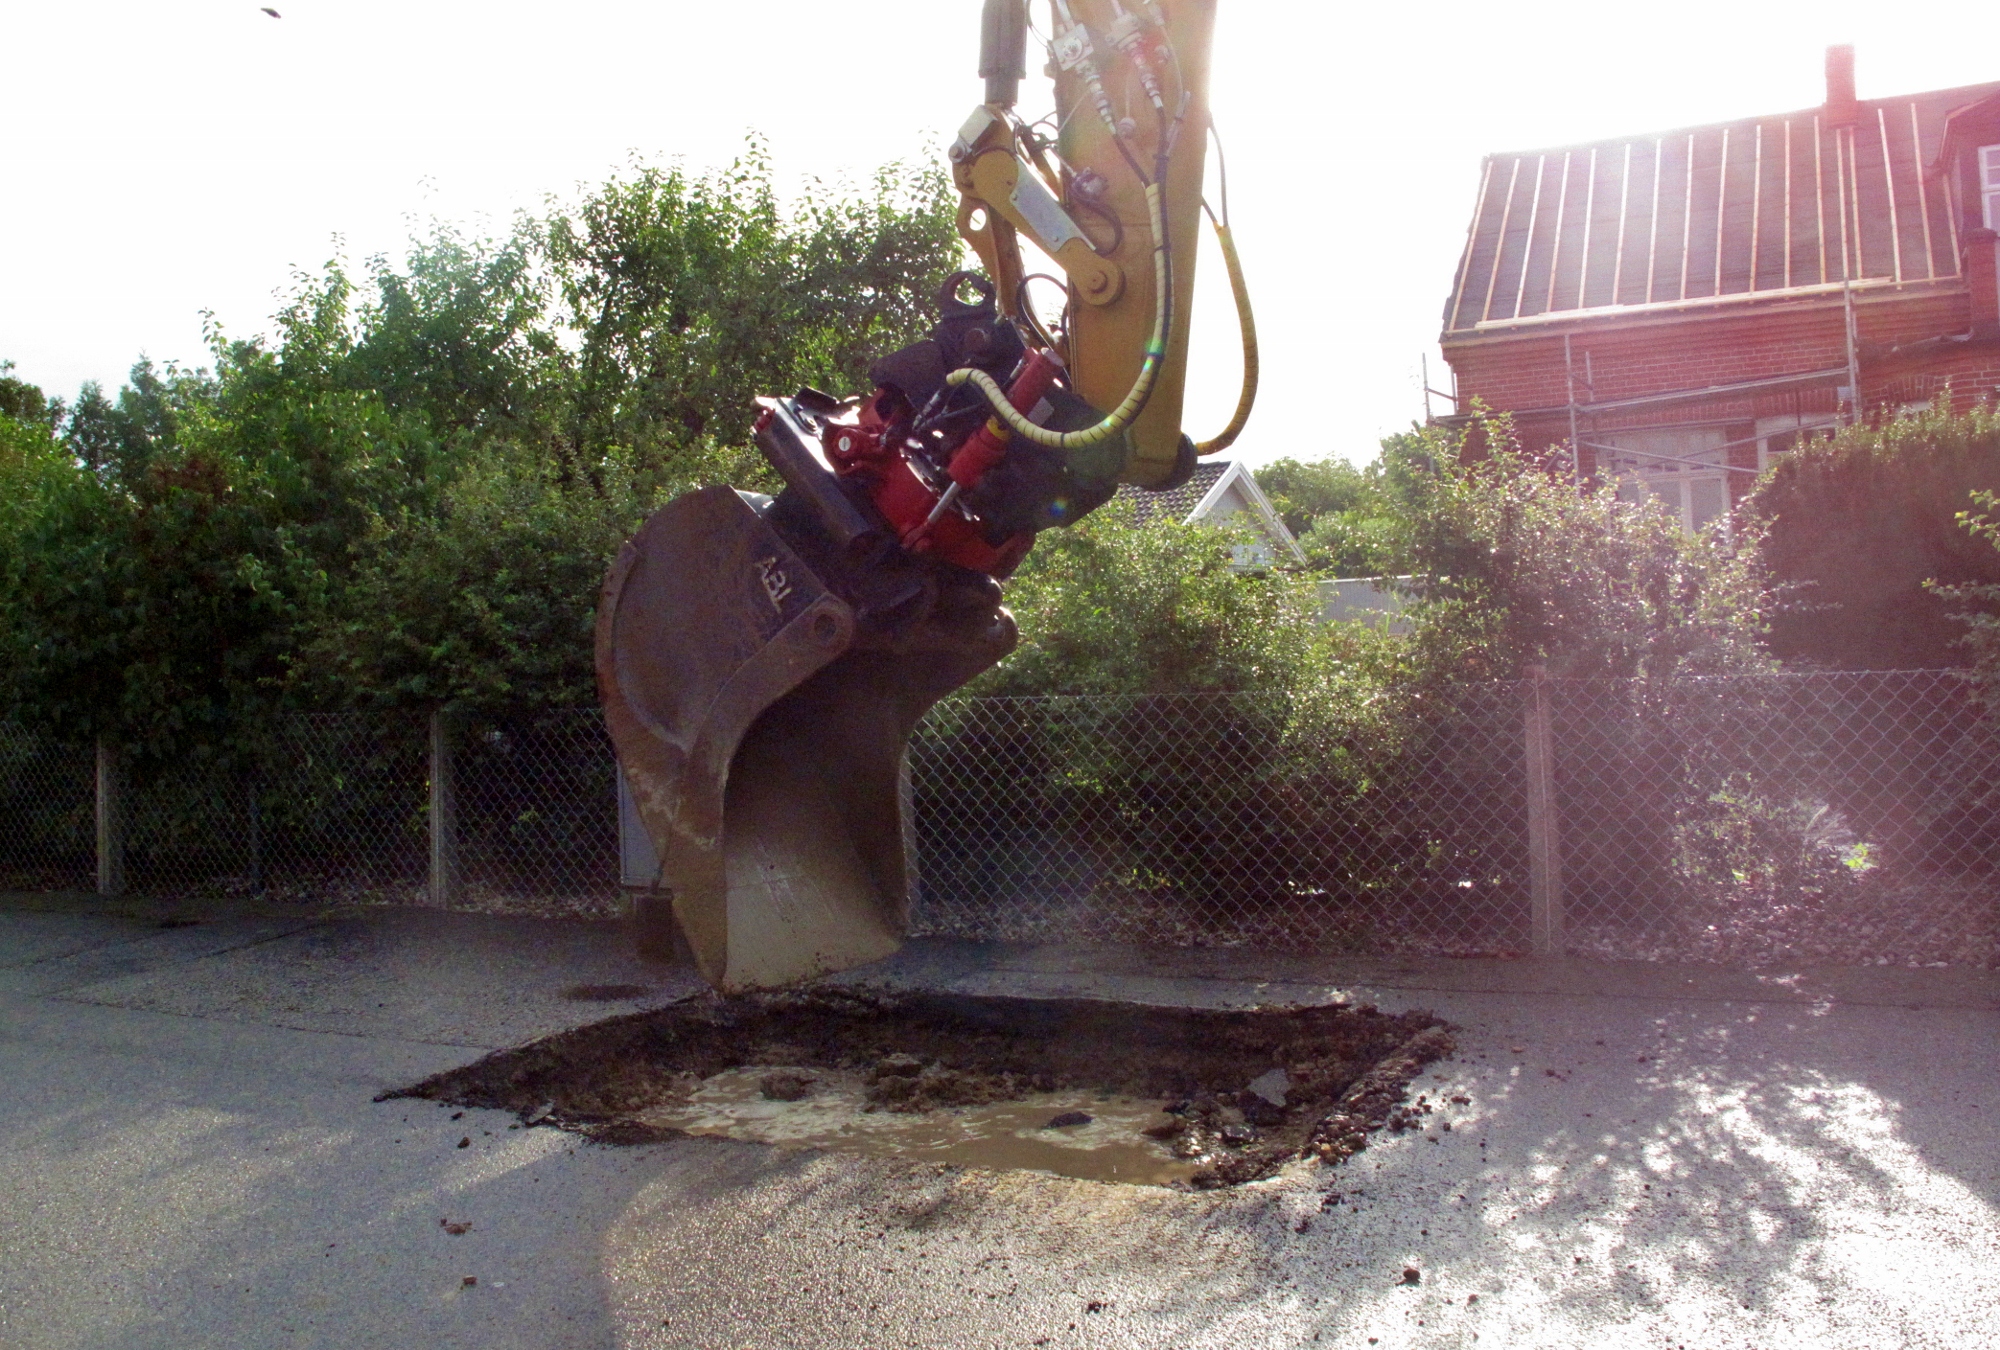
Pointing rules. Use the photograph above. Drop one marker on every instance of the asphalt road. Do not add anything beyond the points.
(1649, 1157)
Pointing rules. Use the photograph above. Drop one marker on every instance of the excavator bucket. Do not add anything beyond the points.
(761, 723)
(762, 661)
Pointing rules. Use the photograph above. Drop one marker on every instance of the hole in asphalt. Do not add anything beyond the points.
(179, 923)
(605, 993)
(1107, 1091)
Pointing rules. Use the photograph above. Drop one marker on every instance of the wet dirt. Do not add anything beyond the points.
(1074, 1133)
(1116, 1092)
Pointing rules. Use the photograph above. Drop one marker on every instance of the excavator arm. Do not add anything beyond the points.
(763, 660)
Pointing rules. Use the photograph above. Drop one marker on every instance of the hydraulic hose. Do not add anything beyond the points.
(1142, 386)
(1246, 321)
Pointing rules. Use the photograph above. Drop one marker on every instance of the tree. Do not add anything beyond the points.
(483, 601)
(1857, 524)
(686, 295)
(1301, 491)
(31, 455)
(1517, 565)
(24, 402)
(408, 495)
(198, 527)
(1344, 517)
(1976, 604)
(670, 301)
(462, 336)
(120, 438)
(1225, 720)
(155, 585)
(1964, 803)
(1110, 606)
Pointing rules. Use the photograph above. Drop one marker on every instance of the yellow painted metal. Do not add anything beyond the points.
(1246, 322)
(1113, 326)
(1114, 423)
(1108, 342)
(992, 238)
(998, 178)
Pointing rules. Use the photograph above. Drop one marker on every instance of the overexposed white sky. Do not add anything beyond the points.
(171, 156)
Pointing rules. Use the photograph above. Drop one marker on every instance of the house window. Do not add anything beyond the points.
(1686, 468)
(1779, 436)
(1989, 184)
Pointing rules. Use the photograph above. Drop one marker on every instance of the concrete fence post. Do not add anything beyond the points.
(254, 818)
(1544, 848)
(113, 812)
(444, 815)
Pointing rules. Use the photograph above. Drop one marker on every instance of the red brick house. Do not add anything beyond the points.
(1677, 307)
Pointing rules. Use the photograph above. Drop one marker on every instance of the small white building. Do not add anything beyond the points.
(1217, 492)
(1366, 599)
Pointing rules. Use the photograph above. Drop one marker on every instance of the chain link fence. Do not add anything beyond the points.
(1830, 817)
(48, 806)
(1821, 817)
(537, 812)
(329, 806)
(1222, 819)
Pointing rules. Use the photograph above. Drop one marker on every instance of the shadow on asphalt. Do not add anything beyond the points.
(1765, 1173)
(1731, 1167)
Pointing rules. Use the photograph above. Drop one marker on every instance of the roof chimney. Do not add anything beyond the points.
(1841, 108)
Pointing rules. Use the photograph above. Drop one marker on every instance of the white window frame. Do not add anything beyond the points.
(1672, 481)
(1769, 428)
(1989, 185)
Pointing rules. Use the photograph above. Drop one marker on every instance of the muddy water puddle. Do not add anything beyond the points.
(836, 1114)
(1189, 1098)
